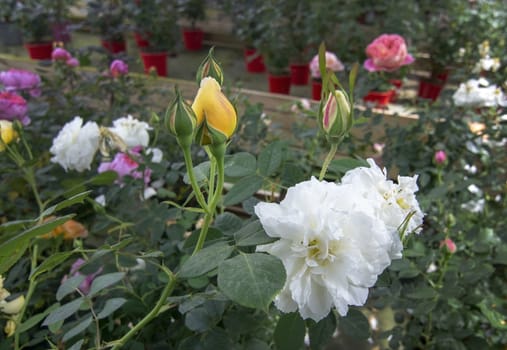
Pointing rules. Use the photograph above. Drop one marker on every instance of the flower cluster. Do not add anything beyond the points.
(332, 63)
(388, 52)
(479, 93)
(59, 54)
(19, 80)
(486, 63)
(335, 239)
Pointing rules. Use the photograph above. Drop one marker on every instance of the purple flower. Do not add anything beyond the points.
(118, 67)
(12, 107)
(84, 287)
(60, 54)
(16, 80)
(124, 165)
(72, 62)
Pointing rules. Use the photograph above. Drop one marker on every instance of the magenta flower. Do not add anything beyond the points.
(60, 54)
(449, 245)
(84, 287)
(118, 67)
(12, 107)
(387, 53)
(124, 165)
(440, 157)
(72, 62)
(16, 80)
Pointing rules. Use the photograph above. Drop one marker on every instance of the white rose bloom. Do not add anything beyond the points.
(132, 131)
(76, 145)
(156, 153)
(332, 250)
(478, 93)
(395, 201)
(487, 64)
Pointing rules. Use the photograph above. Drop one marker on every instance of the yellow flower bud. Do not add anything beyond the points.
(10, 328)
(335, 115)
(210, 68)
(7, 133)
(12, 307)
(180, 120)
(216, 116)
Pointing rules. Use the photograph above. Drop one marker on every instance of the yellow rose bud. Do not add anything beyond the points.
(10, 328)
(216, 117)
(7, 133)
(210, 68)
(335, 115)
(12, 307)
(180, 120)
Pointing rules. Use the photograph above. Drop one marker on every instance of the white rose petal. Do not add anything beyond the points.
(76, 145)
(132, 131)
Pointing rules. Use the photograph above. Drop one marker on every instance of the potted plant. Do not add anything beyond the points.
(10, 35)
(59, 19)
(106, 17)
(248, 27)
(32, 17)
(193, 11)
(156, 21)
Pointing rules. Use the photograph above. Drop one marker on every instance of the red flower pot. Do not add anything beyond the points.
(379, 98)
(141, 40)
(39, 51)
(192, 38)
(254, 61)
(279, 84)
(300, 74)
(155, 60)
(316, 89)
(114, 46)
(429, 90)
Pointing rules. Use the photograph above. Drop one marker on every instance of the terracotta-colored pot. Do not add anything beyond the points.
(114, 46)
(279, 84)
(192, 38)
(316, 89)
(155, 60)
(254, 61)
(39, 51)
(300, 74)
(429, 90)
(379, 98)
(141, 39)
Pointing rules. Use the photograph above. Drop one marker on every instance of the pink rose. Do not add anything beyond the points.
(332, 63)
(16, 80)
(60, 54)
(124, 165)
(388, 52)
(12, 107)
(118, 67)
(440, 157)
(449, 245)
(72, 62)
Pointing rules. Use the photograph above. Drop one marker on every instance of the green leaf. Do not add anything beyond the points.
(252, 234)
(240, 164)
(355, 325)
(63, 312)
(251, 280)
(49, 263)
(104, 179)
(105, 281)
(13, 256)
(205, 260)
(243, 189)
(78, 198)
(228, 223)
(352, 81)
(111, 306)
(321, 332)
(495, 318)
(270, 159)
(205, 317)
(77, 345)
(69, 286)
(79, 328)
(256, 344)
(341, 166)
(424, 292)
(32, 321)
(289, 332)
(201, 172)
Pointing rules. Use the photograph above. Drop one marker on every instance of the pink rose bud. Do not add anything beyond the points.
(332, 64)
(388, 53)
(118, 67)
(72, 62)
(12, 107)
(60, 54)
(449, 245)
(440, 157)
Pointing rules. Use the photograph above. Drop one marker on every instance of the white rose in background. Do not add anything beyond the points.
(479, 93)
(132, 131)
(76, 145)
